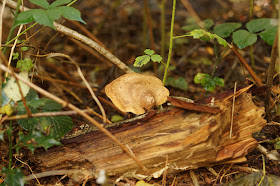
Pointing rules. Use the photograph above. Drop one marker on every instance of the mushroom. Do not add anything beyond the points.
(136, 93)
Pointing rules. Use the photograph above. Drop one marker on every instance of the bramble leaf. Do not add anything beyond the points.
(243, 38)
(149, 52)
(42, 3)
(25, 65)
(225, 29)
(156, 58)
(70, 13)
(14, 177)
(36, 139)
(141, 60)
(59, 2)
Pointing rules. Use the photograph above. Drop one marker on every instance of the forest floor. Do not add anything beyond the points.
(123, 28)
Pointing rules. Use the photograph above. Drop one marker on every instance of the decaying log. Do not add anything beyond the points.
(189, 139)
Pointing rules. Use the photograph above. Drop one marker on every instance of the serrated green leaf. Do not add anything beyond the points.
(25, 65)
(268, 35)
(32, 95)
(149, 52)
(141, 60)
(116, 118)
(36, 139)
(156, 58)
(207, 24)
(14, 177)
(70, 13)
(243, 38)
(15, 55)
(179, 83)
(24, 17)
(218, 81)
(29, 123)
(225, 29)
(59, 2)
(57, 126)
(41, 3)
(259, 24)
(42, 17)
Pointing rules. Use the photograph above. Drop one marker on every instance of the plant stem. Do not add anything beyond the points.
(162, 8)
(72, 2)
(13, 25)
(21, 34)
(10, 145)
(170, 42)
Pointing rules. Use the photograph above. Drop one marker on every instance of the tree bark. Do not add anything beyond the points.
(189, 139)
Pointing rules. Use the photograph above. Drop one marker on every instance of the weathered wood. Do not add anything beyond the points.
(189, 139)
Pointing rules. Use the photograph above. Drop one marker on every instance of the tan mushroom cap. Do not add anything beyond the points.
(136, 93)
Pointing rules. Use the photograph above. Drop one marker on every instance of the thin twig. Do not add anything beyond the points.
(232, 111)
(194, 178)
(270, 73)
(45, 114)
(245, 64)
(71, 33)
(72, 107)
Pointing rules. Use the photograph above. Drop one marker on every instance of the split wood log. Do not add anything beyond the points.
(189, 139)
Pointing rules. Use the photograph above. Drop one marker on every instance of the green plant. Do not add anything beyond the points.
(208, 83)
(49, 13)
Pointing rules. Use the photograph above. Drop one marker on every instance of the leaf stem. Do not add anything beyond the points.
(72, 2)
(21, 34)
(170, 42)
(13, 25)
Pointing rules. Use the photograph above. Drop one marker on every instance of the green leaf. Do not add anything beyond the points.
(225, 29)
(36, 139)
(25, 65)
(218, 81)
(32, 95)
(243, 38)
(59, 2)
(49, 105)
(149, 52)
(180, 83)
(205, 80)
(24, 49)
(277, 145)
(70, 13)
(207, 24)
(14, 177)
(256, 178)
(15, 55)
(259, 24)
(56, 126)
(41, 3)
(198, 78)
(141, 60)
(156, 58)
(44, 17)
(202, 34)
(116, 118)
(24, 18)
(268, 35)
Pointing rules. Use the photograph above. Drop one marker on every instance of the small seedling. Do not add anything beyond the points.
(208, 83)
(144, 59)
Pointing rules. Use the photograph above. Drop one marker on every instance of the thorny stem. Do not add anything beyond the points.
(170, 41)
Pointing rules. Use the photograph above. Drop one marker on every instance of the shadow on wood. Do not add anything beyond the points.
(189, 139)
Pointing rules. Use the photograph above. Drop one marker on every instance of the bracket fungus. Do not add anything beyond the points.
(136, 93)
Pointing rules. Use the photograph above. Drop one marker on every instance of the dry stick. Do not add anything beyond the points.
(85, 82)
(71, 33)
(46, 114)
(232, 111)
(192, 12)
(71, 106)
(270, 73)
(248, 68)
